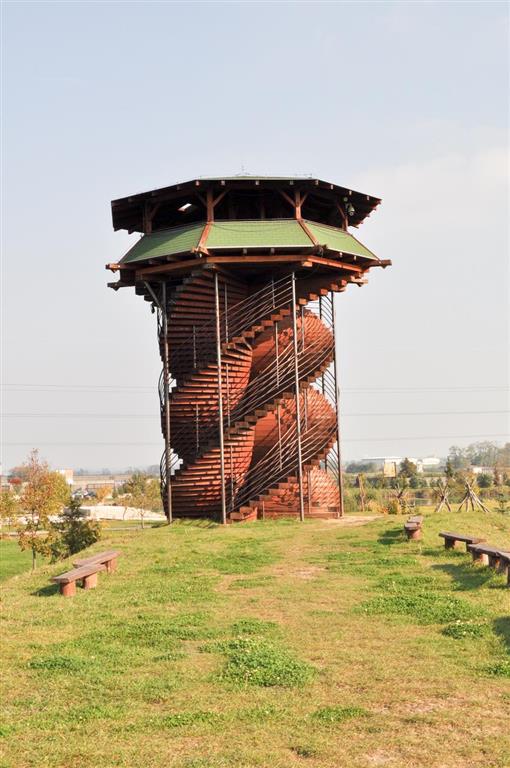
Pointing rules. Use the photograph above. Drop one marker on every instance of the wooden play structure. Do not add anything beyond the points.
(471, 498)
(241, 273)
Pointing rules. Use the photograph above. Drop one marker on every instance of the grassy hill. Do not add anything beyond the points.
(320, 644)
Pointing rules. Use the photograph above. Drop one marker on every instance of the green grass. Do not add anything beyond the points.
(12, 560)
(262, 644)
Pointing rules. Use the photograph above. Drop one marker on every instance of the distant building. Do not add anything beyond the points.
(390, 465)
(68, 474)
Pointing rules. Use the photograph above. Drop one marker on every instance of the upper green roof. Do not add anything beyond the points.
(263, 233)
(237, 234)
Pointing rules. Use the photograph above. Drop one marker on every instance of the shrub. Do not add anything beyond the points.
(73, 533)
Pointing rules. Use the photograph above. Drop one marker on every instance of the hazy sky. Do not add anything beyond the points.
(405, 101)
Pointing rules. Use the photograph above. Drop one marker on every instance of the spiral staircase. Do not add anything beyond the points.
(246, 331)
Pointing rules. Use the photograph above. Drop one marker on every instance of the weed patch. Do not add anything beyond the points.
(334, 715)
(58, 664)
(499, 669)
(254, 627)
(423, 608)
(255, 661)
(462, 630)
(256, 581)
(186, 719)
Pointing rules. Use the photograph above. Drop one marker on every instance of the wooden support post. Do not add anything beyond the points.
(278, 414)
(220, 399)
(210, 205)
(90, 582)
(337, 404)
(166, 384)
(298, 409)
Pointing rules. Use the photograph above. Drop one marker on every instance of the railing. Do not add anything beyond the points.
(200, 347)
(281, 461)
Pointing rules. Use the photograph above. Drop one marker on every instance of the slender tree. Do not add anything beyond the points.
(44, 494)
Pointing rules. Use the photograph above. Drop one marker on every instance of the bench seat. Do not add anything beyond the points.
(484, 553)
(450, 538)
(412, 528)
(87, 574)
(108, 558)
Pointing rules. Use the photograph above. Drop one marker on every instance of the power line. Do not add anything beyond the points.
(41, 414)
(346, 440)
(141, 389)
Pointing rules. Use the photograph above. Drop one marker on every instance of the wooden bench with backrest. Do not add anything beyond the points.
(412, 528)
(108, 559)
(87, 574)
(491, 556)
(450, 539)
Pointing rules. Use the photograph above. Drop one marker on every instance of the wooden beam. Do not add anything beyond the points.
(343, 215)
(319, 260)
(174, 267)
(287, 198)
(210, 205)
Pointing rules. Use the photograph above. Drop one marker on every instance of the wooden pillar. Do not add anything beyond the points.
(166, 385)
(278, 414)
(337, 404)
(220, 399)
(298, 409)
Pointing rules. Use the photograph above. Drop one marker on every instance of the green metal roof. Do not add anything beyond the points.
(239, 234)
(338, 240)
(165, 243)
(263, 233)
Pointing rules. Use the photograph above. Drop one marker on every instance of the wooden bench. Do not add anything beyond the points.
(491, 556)
(504, 565)
(108, 559)
(87, 574)
(451, 538)
(412, 528)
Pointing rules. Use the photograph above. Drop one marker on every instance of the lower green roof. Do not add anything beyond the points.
(240, 234)
(167, 242)
(335, 239)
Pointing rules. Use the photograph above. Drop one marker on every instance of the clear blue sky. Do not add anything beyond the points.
(407, 101)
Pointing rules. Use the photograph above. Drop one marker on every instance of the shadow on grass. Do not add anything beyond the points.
(393, 536)
(502, 629)
(47, 591)
(465, 575)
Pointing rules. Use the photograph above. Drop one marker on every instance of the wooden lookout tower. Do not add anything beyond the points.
(242, 272)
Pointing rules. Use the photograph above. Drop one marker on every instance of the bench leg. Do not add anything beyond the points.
(493, 561)
(480, 557)
(68, 590)
(90, 582)
(414, 535)
(449, 543)
(111, 566)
